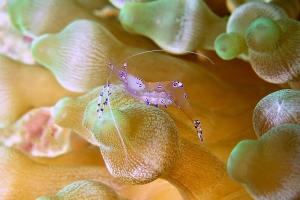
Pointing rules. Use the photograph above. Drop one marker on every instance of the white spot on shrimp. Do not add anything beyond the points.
(180, 84)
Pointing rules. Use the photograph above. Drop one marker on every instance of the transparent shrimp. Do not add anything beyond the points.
(163, 93)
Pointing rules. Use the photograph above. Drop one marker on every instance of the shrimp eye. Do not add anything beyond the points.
(175, 84)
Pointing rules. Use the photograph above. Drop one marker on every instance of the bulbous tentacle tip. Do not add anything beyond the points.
(263, 35)
(40, 51)
(266, 166)
(181, 22)
(142, 18)
(138, 142)
(229, 45)
(249, 11)
(77, 54)
(237, 163)
(277, 108)
(272, 46)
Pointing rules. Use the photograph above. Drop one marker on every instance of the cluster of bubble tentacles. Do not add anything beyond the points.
(53, 142)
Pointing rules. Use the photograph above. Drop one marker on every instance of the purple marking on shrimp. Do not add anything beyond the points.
(159, 85)
(122, 75)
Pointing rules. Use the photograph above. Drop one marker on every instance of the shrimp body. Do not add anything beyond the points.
(134, 85)
(154, 93)
(156, 98)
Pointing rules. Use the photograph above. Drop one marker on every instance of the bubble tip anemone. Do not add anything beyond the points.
(266, 166)
(229, 45)
(263, 34)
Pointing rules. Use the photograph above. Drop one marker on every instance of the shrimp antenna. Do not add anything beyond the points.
(156, 50)
(111, 66)
(114, 120)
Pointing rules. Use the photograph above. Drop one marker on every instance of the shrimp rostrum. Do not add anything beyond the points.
(164, 94)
